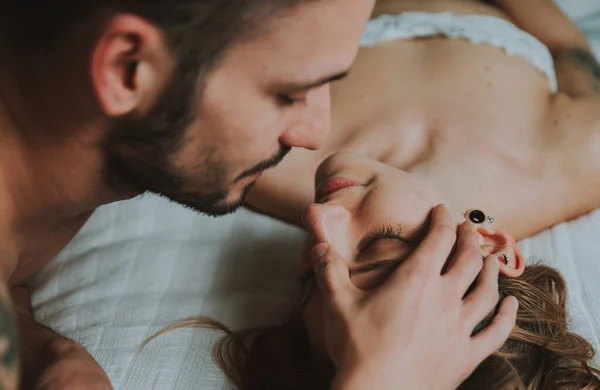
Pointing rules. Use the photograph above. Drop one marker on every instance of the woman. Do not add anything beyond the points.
(437, 109)
(488, 129)
(376, 217)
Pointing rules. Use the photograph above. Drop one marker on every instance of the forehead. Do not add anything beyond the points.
(314, 37)
(403, 197)
(389, 202)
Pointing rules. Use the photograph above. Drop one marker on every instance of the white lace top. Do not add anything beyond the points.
(475, 28)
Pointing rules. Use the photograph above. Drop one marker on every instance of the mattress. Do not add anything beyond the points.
(139, 265)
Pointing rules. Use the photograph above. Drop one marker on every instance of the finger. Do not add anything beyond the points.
(332, 274)
(435, 248)
(467, 261)
(493, 337)
(484, 297)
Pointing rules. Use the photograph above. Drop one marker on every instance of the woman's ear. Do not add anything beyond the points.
(498, 242)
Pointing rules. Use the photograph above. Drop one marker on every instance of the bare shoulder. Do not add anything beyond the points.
(49, 241)
(573, 137)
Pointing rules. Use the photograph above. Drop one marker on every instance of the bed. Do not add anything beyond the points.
(139, 265)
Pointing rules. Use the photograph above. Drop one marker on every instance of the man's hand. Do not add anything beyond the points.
(416, 328)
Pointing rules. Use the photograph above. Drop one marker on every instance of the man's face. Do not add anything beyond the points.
(267, 95)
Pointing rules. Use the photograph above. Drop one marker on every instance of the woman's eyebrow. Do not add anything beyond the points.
(375, 265)
(359, 270)
(369, 240)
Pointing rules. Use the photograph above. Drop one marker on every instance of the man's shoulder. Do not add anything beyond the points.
(8, 257)
(42, 248)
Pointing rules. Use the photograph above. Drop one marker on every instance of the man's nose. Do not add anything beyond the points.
(311, 129)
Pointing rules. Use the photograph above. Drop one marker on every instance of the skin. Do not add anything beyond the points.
(53, 168)
(479, 127)
(444, 278)
(353, 220)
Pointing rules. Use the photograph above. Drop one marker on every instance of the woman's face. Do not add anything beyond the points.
(374, 215)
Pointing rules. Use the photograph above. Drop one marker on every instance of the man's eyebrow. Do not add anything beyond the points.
(305, 86)
(376, 265)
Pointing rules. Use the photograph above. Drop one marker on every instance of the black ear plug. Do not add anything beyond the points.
(477, 216)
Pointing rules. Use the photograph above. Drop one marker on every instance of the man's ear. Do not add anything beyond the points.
(130, 65)
(500, 243)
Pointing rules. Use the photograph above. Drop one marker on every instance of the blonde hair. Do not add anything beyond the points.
(540, 354)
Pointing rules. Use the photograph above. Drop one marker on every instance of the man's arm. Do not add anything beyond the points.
(9, 343)
(577, 70)
(49, 360)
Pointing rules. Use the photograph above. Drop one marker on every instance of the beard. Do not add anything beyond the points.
(140, 151)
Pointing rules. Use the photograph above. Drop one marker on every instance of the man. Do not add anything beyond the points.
(101, 100)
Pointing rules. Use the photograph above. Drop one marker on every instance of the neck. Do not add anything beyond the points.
(51, 167)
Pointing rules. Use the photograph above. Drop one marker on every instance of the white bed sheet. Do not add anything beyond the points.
(142, 264)
(139, 265)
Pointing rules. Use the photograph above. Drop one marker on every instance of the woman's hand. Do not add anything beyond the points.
(415, 329)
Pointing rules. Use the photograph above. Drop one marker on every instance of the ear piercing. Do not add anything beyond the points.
(478, 217)
(503, 257)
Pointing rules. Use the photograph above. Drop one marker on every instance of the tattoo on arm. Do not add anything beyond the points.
(9, 344)
(585, 61)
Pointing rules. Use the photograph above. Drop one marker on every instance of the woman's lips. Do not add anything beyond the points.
(332, 185)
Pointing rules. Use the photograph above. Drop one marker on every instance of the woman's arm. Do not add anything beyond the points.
(577, 69)
(544, 20)
(578, 72)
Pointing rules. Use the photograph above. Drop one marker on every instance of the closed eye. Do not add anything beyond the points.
(288, 100)
(385, 232)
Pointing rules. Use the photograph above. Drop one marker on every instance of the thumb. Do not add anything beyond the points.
(332, 274)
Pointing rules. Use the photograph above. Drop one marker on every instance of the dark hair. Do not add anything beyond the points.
(139, 149)
(540, 354)
(199, 29)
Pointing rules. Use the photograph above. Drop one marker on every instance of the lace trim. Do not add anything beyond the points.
(475, 28)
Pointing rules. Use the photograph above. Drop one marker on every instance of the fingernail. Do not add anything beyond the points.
(516, 303)
(318, 252)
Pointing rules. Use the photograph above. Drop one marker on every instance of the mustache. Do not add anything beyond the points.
(266, 164)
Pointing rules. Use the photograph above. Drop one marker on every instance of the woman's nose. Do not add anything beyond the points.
(327, 222)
